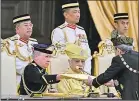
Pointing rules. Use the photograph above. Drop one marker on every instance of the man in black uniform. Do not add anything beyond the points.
(124, 70)
(35, 79)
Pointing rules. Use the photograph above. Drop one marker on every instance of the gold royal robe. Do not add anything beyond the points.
(73, 86)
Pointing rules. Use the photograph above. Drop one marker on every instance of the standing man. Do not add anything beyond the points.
(70, 32)
(124, 70)
(21, 43)
(35, 78)
(121, 22)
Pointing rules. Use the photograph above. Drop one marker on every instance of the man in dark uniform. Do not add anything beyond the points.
(124, 70)
(35, 79)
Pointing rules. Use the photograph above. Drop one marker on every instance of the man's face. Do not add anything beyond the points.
(72, 15)
(74, 63)
(24, 29)
(122, 26)
(44, 59)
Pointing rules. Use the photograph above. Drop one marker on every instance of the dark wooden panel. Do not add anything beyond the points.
(9, 9)
(43, 19)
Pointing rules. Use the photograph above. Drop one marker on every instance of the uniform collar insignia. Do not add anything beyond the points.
(70, 25)
(25, 41)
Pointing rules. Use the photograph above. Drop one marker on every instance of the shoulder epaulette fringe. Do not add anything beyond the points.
(62, 26)
(80, 27)
(32, 39)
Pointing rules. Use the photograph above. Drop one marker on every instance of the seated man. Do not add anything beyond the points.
(77, 59)
(35, 79)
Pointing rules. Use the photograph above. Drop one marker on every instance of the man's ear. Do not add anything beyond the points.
(116, 25)
(17, 26)
(65, 14)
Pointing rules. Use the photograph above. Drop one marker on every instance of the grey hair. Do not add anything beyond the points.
(35, 54)
(124, 48)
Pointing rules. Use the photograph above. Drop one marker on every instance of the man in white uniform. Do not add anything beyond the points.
(21, 43)
(70, 32)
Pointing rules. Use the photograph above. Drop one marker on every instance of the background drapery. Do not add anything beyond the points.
(102, 13)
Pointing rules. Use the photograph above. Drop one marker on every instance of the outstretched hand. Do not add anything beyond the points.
(109, 83)
(58, 77)
(89, 81)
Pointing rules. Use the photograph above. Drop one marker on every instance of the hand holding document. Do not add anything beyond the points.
(86, 77)
(76, 76)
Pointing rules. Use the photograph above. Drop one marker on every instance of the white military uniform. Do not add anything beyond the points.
(64, 34)
(23, 53)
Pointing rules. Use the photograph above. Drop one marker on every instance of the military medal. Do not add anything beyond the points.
(20, 45)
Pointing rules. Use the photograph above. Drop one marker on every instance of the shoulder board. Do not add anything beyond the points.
(13, 38)
(62, 26)
(80, 27)
(34, 64)
(32, 39)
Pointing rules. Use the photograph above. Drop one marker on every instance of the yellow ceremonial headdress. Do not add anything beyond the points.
(74, 51)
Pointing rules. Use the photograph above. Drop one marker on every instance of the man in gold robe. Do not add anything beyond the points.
(77, 57)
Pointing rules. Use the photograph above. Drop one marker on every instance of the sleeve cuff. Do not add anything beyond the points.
(95, 83)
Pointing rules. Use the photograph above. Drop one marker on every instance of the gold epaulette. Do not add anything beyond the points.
(34, 64)
(13, 38)
(62, 26)
(32, 39)
(80, 27)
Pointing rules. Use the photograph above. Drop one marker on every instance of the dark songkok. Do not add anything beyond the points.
(120, 16)
(69, 4)
(21, 18)
(44, 48)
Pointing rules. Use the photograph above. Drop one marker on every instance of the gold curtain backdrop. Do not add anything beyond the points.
(102, 13)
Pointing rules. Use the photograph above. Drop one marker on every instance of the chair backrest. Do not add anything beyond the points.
(8, 72)
(59, 64)
(102, 60)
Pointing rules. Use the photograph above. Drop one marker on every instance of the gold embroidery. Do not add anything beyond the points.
(20, 56)
(40, 91)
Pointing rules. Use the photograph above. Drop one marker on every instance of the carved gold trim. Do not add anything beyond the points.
(5, 47)
(105, 48)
